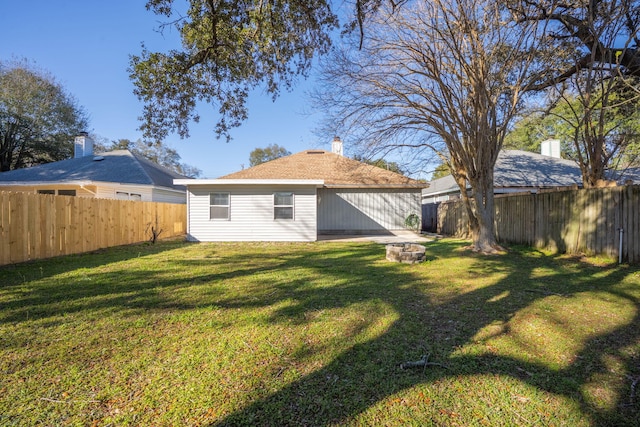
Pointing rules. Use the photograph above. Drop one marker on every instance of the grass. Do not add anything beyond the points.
(313, 334)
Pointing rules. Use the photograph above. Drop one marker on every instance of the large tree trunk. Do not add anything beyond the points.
(485, 241)
(483, 207)
(480, 211)
(474, 228)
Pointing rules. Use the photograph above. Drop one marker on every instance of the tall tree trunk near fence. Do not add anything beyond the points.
(480, 208)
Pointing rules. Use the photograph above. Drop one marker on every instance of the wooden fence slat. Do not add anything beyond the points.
(31, 232)
(5, 225)
(634, 225)
(627, 215)
(17, 232)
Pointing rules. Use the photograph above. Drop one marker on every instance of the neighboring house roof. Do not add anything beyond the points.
(119, 166)
(521, 169)
(629, 174)
(333, 169)
(516, 168)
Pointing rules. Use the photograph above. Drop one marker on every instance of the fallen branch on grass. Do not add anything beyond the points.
(540, 291)
(46, 399)
(422, 363)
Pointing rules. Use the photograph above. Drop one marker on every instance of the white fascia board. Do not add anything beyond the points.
(39, 183)
(380, 186)
(225, 182)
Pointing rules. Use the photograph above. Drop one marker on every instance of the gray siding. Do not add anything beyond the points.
(251, 214)
(365, 211)
(168, 196)
(108, 191)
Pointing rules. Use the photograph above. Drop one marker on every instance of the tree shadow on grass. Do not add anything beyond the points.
(115, 280)
(453, 322)
(17, 274)
(442, 325)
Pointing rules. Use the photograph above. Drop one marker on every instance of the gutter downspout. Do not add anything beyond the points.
(620, 247)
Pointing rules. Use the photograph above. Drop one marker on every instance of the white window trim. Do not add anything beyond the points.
(228, 206)
(292, 206)
(125, 195)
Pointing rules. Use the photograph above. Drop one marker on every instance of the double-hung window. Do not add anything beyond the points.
(219, 206)
(283, 205)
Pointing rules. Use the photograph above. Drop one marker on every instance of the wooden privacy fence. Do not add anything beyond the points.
(575, 221)
(34, 226)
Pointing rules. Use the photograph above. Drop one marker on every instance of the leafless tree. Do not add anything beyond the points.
(594, 32)
(448, 75)
(598, 74)
(600, 117)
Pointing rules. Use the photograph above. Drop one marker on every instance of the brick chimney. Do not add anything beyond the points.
(83, 145)
(336, 146)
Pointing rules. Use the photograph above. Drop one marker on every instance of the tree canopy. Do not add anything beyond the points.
(38, 118)
(228, 49)
(270, 152)
(586, 33)
(570, 122)
(596, 90)
(382, 163)
(440, 171)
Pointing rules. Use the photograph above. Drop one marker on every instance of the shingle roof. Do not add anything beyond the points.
(516, 168)
(335, 170)
(119, 166)
(630, 174)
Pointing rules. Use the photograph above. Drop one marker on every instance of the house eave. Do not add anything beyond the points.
(39, 183)
(367, 186)
(319, 183)
(83, 183)
(225, 182)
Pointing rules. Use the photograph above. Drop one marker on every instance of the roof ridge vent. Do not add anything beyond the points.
(315, 152)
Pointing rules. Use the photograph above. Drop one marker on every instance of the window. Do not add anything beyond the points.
(283, 206)
(58, 192)
(121, 195)
(219, 206)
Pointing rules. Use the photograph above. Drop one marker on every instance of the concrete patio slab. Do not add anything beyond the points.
(398, 236)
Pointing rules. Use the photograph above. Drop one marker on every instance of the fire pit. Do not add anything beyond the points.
(408, 253)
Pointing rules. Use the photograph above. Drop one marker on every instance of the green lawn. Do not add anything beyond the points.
(313, 334)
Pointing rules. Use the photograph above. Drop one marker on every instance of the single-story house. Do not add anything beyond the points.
(298, 197)
(516, 171)
(118, 174)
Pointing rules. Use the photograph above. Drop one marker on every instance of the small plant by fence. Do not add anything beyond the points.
(34, 226)
(576, 221)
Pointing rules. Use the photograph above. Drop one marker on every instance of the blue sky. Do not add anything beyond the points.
(86, 45)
